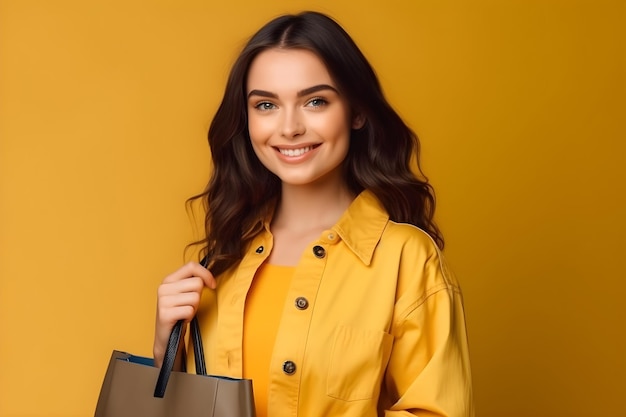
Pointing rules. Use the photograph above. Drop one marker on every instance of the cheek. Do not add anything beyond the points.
(259, 129)
(253, 128)
(337, 126)
(258, 137)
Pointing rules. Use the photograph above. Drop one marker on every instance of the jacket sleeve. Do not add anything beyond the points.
(428, 373)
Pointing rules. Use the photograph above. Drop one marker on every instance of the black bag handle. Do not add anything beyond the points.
(196, 339)
(172, 349)
(198, 350)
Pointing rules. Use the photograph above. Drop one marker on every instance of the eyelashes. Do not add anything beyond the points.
(315, 102)
(265, 106)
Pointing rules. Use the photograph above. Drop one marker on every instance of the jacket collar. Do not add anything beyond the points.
(362, 225)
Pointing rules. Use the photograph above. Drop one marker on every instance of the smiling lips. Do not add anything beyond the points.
(295, 152)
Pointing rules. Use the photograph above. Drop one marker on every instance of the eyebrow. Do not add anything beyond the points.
(301, 93)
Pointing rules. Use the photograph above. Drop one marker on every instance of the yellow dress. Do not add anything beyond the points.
(263, 309)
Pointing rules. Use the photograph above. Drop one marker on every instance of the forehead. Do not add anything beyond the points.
(287, 71)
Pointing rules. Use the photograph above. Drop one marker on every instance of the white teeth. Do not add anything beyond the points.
(295, 152)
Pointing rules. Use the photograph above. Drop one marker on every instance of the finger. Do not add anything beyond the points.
(172, 315)
(206, 275)
(192, 269)
(210, 282)
(178, 300)
(192, 284)
(188, 270)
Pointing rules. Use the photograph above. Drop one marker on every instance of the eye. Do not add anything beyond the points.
(317, 102)
(265, 106)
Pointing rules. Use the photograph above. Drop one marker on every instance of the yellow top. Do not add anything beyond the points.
(264, 306)
(372, 324)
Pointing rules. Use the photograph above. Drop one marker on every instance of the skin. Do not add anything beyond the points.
(299, 125)
(295, 107)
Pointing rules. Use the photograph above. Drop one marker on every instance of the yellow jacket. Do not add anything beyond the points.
(373, 324)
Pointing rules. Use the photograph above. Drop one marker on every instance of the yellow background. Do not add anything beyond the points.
(520, 106)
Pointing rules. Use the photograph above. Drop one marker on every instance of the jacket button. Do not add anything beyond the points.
(260, 249)
(319, 251)
(302, 303)
(289, 367)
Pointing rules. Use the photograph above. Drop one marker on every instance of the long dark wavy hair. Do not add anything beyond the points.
(241, 191)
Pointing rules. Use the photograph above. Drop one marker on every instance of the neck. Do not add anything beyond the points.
(311, 207)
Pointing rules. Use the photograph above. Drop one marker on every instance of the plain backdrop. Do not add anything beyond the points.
(520, 107)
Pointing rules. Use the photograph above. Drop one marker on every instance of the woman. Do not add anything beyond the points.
(325, 282)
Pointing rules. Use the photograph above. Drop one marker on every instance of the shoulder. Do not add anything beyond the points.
(411, 241)
(409, 234)
(422, 267)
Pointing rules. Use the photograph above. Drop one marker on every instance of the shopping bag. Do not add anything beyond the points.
(133, 387)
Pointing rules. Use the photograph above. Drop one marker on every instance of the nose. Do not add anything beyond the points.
(292, 124)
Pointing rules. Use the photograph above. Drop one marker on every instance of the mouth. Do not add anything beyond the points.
(297, 151)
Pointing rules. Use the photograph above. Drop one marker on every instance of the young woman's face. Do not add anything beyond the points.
(299, 124)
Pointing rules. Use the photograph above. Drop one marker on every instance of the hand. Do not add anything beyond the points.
(178, 299)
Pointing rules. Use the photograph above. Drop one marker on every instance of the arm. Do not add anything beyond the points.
(428, 373)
